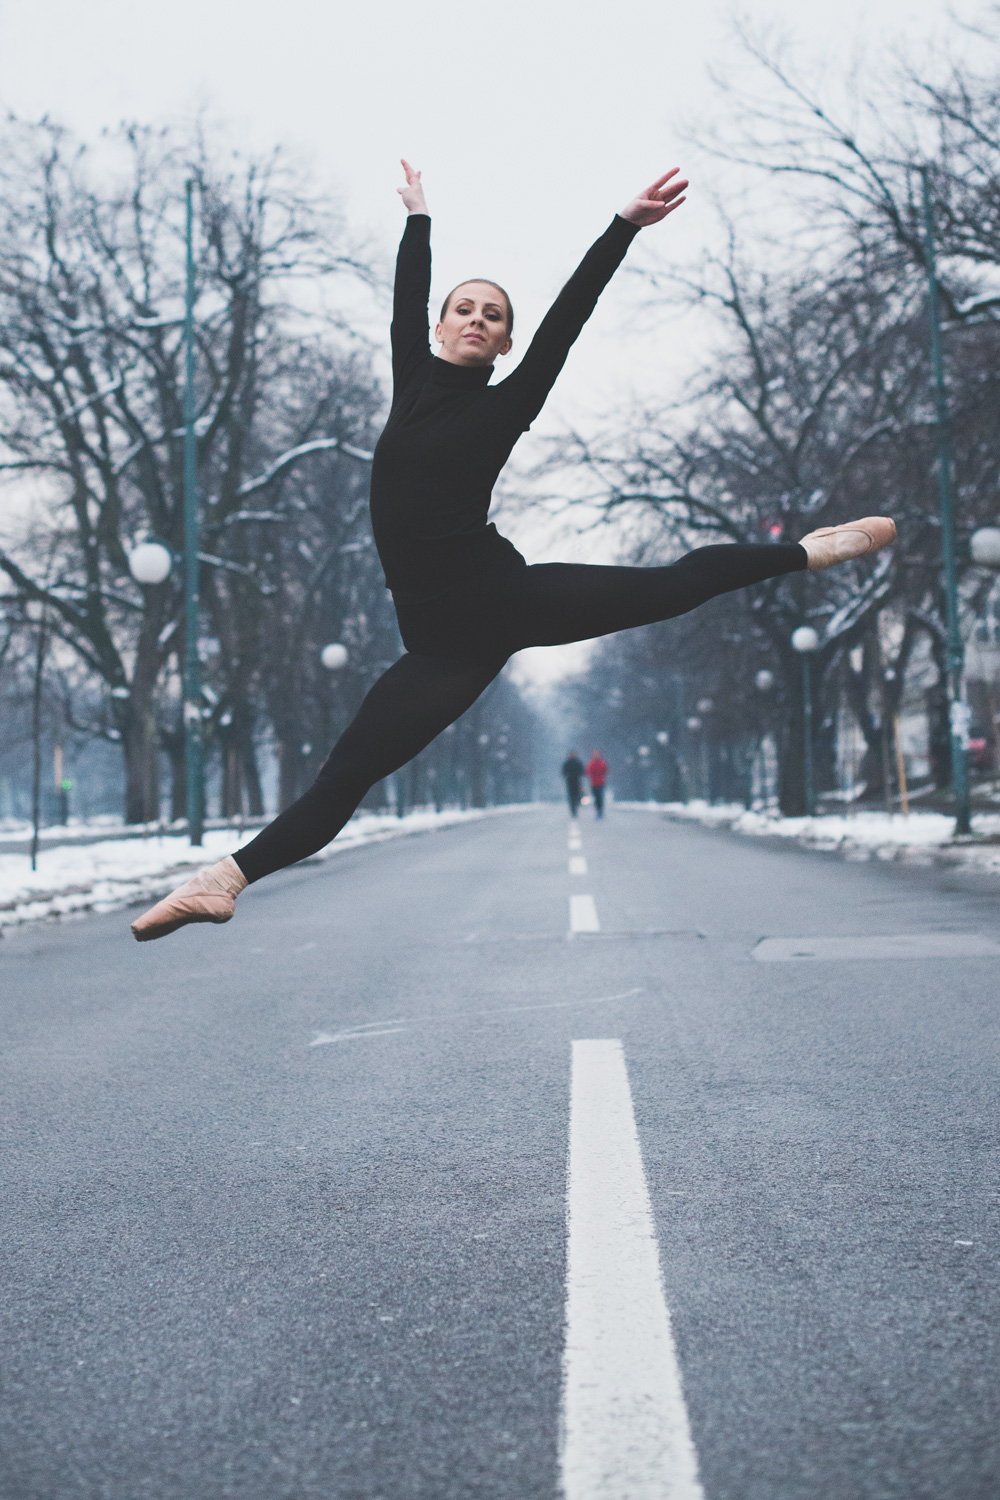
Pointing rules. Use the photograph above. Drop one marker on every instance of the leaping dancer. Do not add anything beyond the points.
(465, 598)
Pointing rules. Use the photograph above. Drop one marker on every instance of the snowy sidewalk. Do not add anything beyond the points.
(924, 838)
(72, 879)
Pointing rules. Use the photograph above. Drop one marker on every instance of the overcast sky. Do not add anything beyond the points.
(533, 121)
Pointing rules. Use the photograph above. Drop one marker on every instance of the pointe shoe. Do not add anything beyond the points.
(837, 544)
(210, 896)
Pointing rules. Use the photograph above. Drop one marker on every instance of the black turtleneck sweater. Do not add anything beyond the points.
(450, 432)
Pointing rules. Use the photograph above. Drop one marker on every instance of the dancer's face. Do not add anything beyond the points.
(474, 329)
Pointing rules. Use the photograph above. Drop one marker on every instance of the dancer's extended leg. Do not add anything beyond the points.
(407, 708)
(554, 603)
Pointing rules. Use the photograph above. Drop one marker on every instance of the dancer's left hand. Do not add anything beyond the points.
(658, 200)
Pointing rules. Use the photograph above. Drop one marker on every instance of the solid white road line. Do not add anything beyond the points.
(625, 1425)
(577, 864)
(583, 914)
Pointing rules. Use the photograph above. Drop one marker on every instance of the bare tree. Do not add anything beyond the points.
(91, 393)
(804, 415)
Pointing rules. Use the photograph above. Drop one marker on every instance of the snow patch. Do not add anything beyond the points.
(923, 837)
(72, 879)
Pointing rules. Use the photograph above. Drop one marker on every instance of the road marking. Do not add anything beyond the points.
(354, 1033)
(574, 841)
(583, 914)
(577, 864)
(903, 945)
(625, 1429)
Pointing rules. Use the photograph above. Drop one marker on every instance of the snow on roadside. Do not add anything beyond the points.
(922, 838)
(114, 873)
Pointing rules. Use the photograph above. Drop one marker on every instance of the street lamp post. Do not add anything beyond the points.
(192, 664)
(663, 740)
(644, 754)
(958, 712)
(704, 707)
(333, 658)
(764, 682)
(984, 547)
(150, 563)
(805, 641)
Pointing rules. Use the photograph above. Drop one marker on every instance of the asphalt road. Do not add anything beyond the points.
(284, 1202)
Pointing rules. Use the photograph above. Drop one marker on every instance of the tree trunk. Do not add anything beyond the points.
(251, 780)
(172, 742)
(232, 778)
(790, 740)
(140, 750)
(290, 759)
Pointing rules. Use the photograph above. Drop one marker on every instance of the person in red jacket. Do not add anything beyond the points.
(597, 775)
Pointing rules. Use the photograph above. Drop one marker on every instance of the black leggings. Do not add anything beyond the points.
(457, 642)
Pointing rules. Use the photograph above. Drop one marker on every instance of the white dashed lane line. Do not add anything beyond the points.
(583, 914)
(577, 864)
(625, 1428)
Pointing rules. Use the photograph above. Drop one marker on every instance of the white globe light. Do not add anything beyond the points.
(334, 656)
(805, 639)
(985, 547)
(150, 562)
(662, 737)
(764, 680)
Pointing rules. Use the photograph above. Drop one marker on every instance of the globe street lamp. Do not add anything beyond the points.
(984, 547)
(333, 657)
(805, 641)
(150, 563)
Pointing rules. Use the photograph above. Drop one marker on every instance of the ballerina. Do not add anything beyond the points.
(465, 598)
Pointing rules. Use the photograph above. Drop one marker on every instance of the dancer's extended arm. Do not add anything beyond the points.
(534, 377)
(410, 332)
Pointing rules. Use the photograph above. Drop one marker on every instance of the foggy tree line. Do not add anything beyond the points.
(92, 267)
(815, 405)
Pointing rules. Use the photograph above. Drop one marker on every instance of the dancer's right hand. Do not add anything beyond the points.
(412, 194)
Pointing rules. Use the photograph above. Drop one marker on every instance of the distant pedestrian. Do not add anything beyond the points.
(597, 775)
(573, 774)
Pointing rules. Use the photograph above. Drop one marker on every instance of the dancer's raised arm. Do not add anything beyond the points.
(410, 332)
(528, 386)
(653, 204)
(413, 193)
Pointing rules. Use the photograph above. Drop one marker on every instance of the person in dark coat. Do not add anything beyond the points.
(573, 774)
